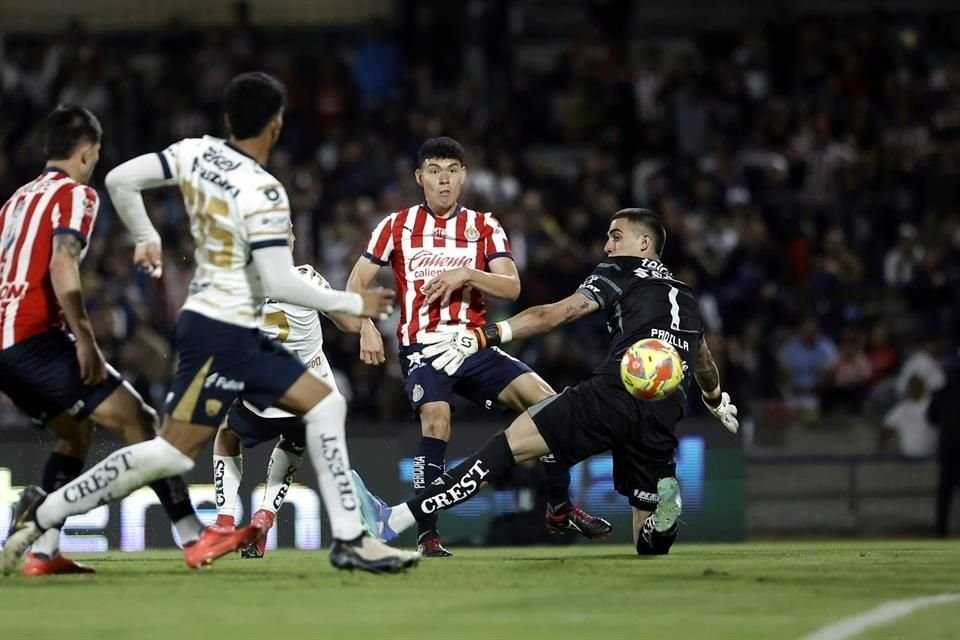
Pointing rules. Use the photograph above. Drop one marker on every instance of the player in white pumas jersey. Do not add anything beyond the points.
(240, 221)
(299, 330)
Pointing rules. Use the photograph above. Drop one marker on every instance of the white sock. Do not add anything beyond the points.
(401, 518)
(189, 529)
(227, 473)
(280, 473)
(114, 477)
(48, 544)
(327, 445)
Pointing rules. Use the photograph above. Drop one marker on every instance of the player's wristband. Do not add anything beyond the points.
(494, 334)
(712, 398)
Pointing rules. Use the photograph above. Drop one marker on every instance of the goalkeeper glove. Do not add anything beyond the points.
(722, 409)
(450, 348)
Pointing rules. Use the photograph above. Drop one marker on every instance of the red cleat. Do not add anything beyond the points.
(39, 565)
(225, 524)
(214, 543)
(263, 519)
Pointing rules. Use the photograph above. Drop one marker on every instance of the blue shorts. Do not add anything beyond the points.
(42, 377)
(253, 429)
(479, 379)
(219, 362)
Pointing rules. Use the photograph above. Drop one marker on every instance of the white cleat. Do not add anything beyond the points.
(366, 553)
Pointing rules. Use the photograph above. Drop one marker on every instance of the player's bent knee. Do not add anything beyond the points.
(305, 394)
(435, 421)
(187, 438)
(329, 413)
(438, 429)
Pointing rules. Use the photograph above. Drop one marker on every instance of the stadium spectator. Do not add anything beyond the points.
(923, 364)
(907, 422)
(808, 360)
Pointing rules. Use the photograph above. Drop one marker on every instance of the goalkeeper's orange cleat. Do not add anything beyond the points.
(215, 543)
(41, 565)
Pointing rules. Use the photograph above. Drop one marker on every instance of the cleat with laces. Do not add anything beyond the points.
(366, 553)
(24, 530)
(263, 519)
(38, 564)
(669, 505)
(215, 543)
(571, 518)
(430, 546)
(374, 512)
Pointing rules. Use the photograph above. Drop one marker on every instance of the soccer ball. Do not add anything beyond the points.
(651, 369)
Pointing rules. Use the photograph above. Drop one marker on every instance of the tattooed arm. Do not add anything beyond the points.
(543, 318)
(65, 278)
(705, 371)
(450, 349)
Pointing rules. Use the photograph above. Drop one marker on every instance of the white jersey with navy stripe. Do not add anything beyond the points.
(235, 206)
(299, 330)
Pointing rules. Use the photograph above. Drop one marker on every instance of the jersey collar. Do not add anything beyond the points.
(459, 210)
(229, 144)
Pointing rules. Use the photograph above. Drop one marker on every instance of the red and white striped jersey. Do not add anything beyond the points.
(51, 204)
(419, 246)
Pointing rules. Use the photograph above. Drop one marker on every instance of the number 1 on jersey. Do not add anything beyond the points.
(674, 308)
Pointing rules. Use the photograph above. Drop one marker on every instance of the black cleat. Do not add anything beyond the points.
(24, 529)
(571, 518)
(430, 546)
(369, 554)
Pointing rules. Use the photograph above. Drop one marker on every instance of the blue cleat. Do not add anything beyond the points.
(374, 512)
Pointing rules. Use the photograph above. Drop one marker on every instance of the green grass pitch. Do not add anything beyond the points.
(767, 590)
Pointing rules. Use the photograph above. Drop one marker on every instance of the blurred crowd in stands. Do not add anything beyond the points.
(807, 171)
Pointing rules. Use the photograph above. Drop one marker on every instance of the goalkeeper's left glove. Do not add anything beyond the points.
(450, 348)
(722, 409)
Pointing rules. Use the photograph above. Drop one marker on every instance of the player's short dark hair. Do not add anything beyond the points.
(442, 148)
(251, 101)
(67, 127)
(648, 219)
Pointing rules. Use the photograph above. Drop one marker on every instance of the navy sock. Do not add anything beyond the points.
(428, 466)
(174, 496)
(60, 470)
(463, 482)
(558, 483)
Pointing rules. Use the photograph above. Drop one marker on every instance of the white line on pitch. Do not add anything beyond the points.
(887, 612)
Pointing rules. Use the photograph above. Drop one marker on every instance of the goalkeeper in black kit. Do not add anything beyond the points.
(642, 300)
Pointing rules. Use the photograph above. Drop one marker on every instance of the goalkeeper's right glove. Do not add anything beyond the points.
(722, 409)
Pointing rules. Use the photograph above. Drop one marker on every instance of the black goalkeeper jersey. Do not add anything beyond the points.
(643, 300)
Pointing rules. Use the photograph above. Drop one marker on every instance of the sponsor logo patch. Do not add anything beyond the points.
(415, 362)
(417, 393)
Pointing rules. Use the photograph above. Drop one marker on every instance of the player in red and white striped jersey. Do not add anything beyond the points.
(59, 378)
(445, 259)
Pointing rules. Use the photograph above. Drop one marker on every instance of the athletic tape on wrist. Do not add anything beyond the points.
(506, 332)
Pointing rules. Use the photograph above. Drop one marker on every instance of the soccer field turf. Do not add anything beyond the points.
(775, 590)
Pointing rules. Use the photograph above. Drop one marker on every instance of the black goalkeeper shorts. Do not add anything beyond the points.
(598, 415)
